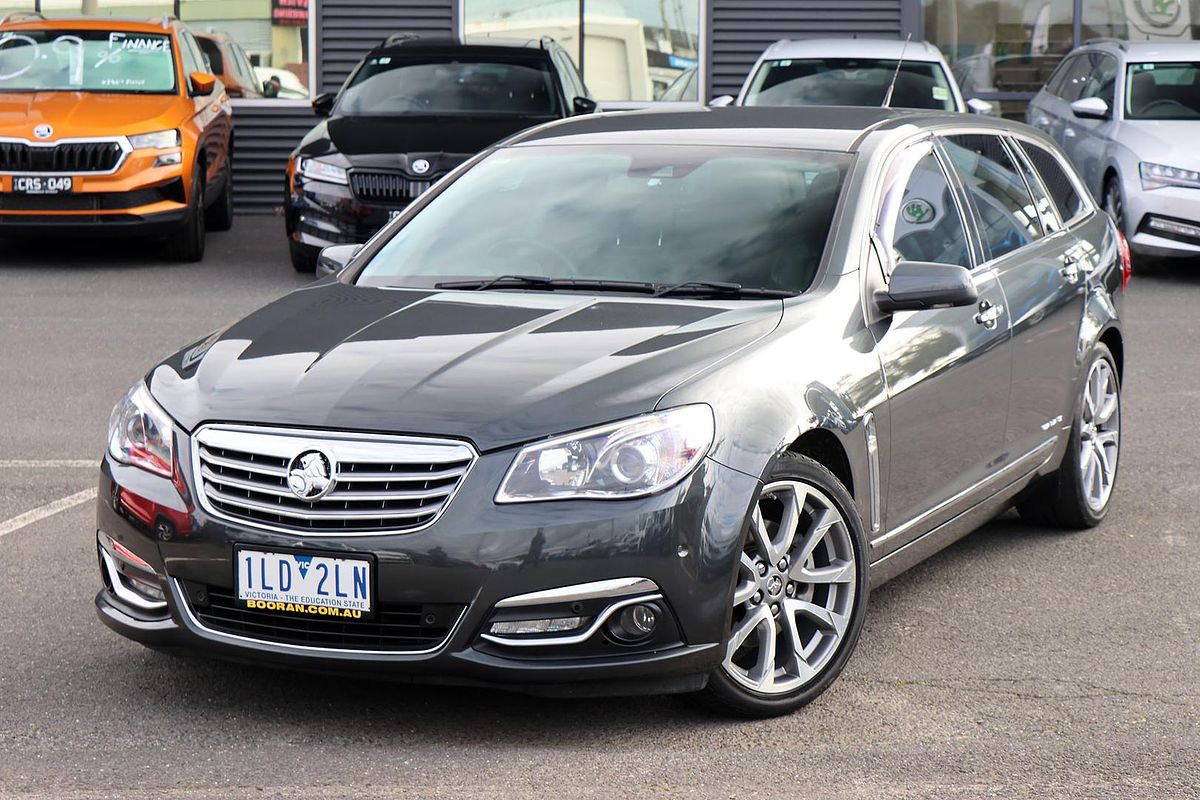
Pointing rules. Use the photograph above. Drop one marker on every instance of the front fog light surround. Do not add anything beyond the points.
(634, 623)
(168, 159)
(631, 458)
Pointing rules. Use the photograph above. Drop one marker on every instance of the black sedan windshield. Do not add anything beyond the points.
(664, 215)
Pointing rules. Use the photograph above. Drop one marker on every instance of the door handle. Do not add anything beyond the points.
(1072, 273)
(989, 314)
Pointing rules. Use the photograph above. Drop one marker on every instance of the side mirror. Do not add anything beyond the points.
(269, 89)
(202, 83)
(721, 102)
(323, 104)
(918, 285)
(583, 105)
(1090, 108)
(977, 106)
(333, 259)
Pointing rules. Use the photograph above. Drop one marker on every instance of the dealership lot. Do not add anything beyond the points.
(1017, 663)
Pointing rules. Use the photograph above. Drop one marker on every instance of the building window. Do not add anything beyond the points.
(1007, 49)
(632, 50)
(258, 48)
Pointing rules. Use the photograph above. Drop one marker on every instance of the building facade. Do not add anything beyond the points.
(631, 52)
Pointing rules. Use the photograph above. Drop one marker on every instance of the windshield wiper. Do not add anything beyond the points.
(549, 284)
(720, 288)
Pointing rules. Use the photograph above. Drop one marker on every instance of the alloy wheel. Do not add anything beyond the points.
(1099, 434)
(795, 590)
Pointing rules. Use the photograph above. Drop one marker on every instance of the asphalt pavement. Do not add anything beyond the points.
(1019, 663)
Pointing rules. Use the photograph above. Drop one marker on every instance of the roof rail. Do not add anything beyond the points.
(17, 16)
(399, 37)
(547, 41)
(1107, 40)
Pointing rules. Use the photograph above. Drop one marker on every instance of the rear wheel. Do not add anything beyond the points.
(187, 244)
(800, 596)
(1078, 494)
(220, 214)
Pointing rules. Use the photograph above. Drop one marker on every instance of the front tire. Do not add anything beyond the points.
(1114, 203)
(220, 214)
(1078, 494)
(800, 596)
(304, 258)
(187, 245)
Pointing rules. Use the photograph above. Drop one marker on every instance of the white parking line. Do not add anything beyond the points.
(48, 510)
(61, 463)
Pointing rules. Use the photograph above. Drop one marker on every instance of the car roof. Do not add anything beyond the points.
(853, 48)
(809, 127)
(142, 25)
(1148, 50)
(476, 45)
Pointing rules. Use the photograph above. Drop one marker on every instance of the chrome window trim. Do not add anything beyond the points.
(616, 587)
(121, 141)
(574, 638)
(319, 439)
(199, 628)
(949, 501)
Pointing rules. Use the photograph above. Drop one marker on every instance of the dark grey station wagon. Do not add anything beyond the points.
(632, 404)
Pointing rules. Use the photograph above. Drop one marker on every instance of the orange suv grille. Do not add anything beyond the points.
(71, 157)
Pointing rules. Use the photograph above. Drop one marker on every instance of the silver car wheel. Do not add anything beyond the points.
(795, 590)
(1099, 434)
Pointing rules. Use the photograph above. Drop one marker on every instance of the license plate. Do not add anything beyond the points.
(299, 583)
(39, 184)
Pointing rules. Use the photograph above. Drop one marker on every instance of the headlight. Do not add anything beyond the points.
(631, 458)
(140, 433)
(1156, 176)
(159, 140)
(318, 170)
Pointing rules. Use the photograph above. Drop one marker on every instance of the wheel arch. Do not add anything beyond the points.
(1112, 339)
(823, 446)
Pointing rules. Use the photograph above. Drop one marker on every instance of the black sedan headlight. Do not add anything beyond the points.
(631, 458)
(140, 433)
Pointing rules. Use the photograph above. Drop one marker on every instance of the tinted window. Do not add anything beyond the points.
(1078, 73)
(193, 58)
(86, 61)
(212, 51)
(1102, 82)
(926, 225)
(1055, 84)
(1041, 197)
(849, 82)
(1056, 180)
(1163, 91)
(388, 84)
(1002, 202)
(658, 214)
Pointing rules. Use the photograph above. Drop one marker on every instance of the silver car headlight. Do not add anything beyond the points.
(318, 170)
(141, 434)
(1156, 176)
(631, 458)
(159, 140)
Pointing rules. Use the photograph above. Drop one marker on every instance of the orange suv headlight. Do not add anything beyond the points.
(159, 140)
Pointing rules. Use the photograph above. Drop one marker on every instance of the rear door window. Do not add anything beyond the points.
(1008, 218)
(1062, 189)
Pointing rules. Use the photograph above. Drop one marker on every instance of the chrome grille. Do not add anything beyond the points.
(379, 484)
(386, 187)
(99, 156)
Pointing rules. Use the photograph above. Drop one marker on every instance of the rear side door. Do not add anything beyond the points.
(1037, 261)
(947, 370)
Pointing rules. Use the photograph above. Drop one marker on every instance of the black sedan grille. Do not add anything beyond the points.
(396, 627)
(387, 188)
(71, 157)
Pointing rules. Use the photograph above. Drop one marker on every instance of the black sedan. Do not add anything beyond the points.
(632, 404)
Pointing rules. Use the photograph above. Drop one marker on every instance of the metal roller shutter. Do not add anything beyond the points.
(264, 134)
(742, 29)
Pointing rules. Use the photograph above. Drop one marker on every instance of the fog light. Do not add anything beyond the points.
(168, 159)
(634, 623)
(1174, 226)
(526, 627)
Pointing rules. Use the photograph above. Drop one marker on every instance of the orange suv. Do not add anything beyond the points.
(112, 126)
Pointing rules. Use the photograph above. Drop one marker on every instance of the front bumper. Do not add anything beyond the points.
(1163, 222)
(685, 542)
(320, 214)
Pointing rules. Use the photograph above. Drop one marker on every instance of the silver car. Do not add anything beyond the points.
(1128, 114)
(853, 72)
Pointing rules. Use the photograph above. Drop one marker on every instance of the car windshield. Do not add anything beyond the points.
(395, 85)
(664, 215)
(849, 82)
(1163, 90)
(86, 61)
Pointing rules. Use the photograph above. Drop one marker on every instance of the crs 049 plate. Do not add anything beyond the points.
(305, 584)
(37, 184)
